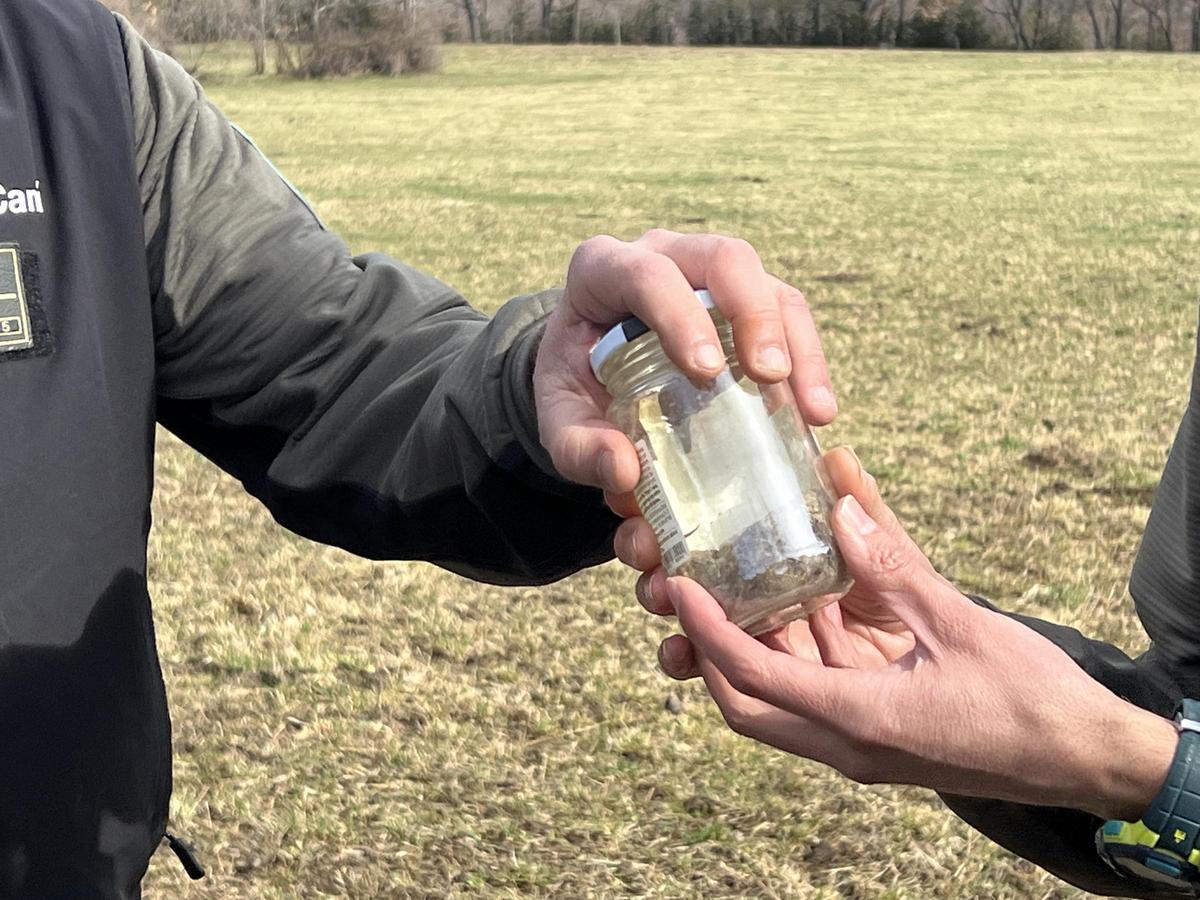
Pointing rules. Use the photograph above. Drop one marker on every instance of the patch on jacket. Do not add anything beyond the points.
(24, 330)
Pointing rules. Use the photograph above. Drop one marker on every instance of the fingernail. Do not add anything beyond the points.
(656, 585)
(856, 516)
(674, 594)
(857, 461)
(823, 396)
(709, 357)
(657, 581)
(608, 469)
(772, 360)
(641, 590)
(668, 660)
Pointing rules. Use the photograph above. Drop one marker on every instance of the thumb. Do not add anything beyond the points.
(891, 569)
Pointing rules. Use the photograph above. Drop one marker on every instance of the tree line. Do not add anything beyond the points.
(319, 37)
(1159, 25)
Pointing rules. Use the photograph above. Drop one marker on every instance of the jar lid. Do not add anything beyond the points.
(627, 332)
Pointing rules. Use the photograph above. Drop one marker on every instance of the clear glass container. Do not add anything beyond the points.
(732, 480)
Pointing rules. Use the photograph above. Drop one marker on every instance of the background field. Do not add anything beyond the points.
(1000, 251)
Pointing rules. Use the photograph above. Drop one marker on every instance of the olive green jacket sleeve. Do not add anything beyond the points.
(367, 404)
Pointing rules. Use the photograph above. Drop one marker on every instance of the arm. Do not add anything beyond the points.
(365, 403)
(1165, 585)
(368, 405)
(1061, 839)
(908, 681)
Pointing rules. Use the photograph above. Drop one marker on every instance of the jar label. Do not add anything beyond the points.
(657, 510)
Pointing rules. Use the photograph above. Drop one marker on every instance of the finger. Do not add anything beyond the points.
(624, 505)
(810, 372)
(794, 685)
(795, 638)
(609, 280)
(891, 568)
(743, 291)
(596, 453)
(677, 658)
(651, 591)
(756, 719)
(636, 545)
(584, 446)
(848, 477)
(831, 638)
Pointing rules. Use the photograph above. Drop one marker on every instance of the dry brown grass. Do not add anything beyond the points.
(1000, 253)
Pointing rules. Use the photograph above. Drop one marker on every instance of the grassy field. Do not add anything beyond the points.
(1001, 253)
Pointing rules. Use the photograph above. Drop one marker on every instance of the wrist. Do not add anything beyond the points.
(1132, 759)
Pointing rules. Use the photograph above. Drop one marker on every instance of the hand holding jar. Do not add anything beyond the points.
(653, 278)
(731, 479)
(905, 680)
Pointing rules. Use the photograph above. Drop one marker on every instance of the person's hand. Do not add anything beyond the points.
(859, 631)
(908, 681)
(653, 278)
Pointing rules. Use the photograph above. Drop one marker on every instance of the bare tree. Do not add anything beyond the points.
(263, 16)
(576, 20)
(473, 23)
(482, 9)
(1118, 9)
(1039, 20)
(1158, 13)
(1099, 29)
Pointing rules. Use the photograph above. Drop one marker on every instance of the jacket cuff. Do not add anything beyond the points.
(529, 320)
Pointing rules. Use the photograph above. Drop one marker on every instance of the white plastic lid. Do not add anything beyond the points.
(627, 332)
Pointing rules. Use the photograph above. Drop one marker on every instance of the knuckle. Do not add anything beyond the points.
(793, 298)
(891, 560)
(566, 452)
(593, 249)
(658, 236)
(733, 251)
(761, 319)
(739, 718)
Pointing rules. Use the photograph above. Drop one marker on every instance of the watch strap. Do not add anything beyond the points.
(1162, 845)
(1174, 814)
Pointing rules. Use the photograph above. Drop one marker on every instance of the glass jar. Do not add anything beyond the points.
(732, 480)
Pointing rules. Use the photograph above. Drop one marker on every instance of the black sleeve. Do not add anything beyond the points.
(1165, 585)
(365, 403)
